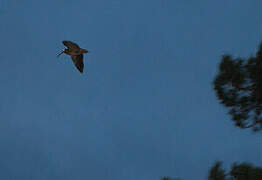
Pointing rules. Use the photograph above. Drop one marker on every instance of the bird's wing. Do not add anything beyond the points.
(78, 61)
(71, 45)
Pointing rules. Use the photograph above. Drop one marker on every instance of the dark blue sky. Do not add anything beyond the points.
(144, 109)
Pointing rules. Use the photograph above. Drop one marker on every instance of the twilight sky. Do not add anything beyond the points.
(144, 109)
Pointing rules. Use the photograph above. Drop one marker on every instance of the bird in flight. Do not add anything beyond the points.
(76, 54)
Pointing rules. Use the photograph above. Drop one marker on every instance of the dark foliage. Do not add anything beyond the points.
(216, 172)
(165, 178)
(238, 87)
(169, 178)
(243, 171)
(246, 171)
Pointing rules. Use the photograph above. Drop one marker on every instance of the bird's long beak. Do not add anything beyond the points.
(60, 53)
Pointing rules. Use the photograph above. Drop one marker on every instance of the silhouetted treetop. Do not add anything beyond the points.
(169, 178)
(238, 86)
(243, 171)
(216, 172)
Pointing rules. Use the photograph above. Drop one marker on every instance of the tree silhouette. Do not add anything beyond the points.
(216, 172)
(246, 171)
(243, 171)
(169, 178)
(238, 86)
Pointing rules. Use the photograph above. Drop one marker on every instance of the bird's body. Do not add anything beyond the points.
(76, 54)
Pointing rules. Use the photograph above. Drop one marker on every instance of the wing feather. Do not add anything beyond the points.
(71, 45)
(78, 61)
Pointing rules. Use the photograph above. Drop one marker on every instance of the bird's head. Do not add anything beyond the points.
(61, 53)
